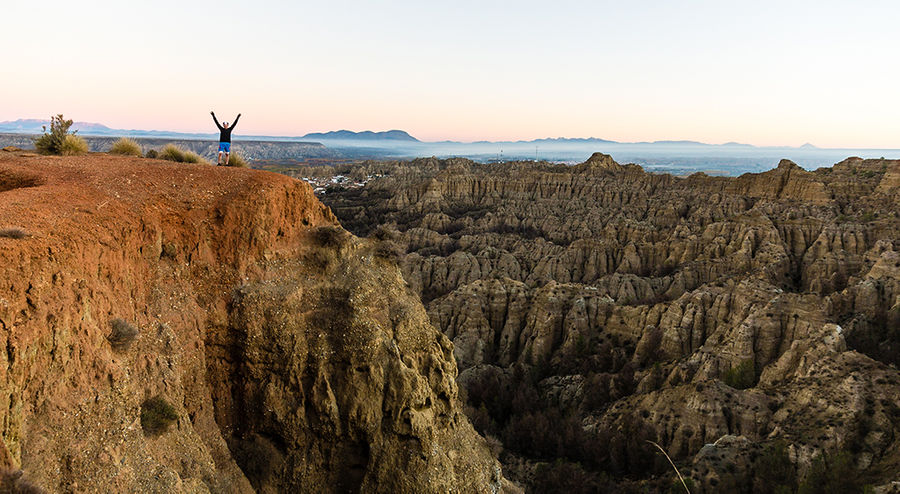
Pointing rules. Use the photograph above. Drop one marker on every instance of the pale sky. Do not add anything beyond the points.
(764, 73)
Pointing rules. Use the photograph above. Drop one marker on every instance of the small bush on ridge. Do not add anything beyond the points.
(126, 147)
(59, 140)
(152, 153)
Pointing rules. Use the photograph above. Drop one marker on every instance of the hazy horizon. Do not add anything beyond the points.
(767, 74)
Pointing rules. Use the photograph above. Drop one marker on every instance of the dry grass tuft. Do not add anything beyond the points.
(237, 161)
(683, 483)
(173, 153)
(126, 147)
(73, 145)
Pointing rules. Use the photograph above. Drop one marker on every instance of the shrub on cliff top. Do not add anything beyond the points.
(122, 335)
(157, 415)
(126, 147)
(173, 153)
(59, 140)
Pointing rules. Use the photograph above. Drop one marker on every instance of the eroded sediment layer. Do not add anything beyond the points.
(294, 357)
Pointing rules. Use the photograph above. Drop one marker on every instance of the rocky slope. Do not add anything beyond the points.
(292, 355)
(736, 321)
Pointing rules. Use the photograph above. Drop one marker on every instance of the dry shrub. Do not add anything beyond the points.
(330, 236)
(384, 233)
(390, 250)
(494, 445)
(52, 142)
(122, 335)
(126, 147)
(157, 415)
(152, 153)
(15, 233)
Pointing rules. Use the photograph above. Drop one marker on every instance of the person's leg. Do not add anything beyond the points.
(227, 152)
(219, 162)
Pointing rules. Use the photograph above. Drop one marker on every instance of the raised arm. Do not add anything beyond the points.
(235, 120)
(214, 120)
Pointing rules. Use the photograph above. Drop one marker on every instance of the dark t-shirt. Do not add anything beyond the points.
(225, 134)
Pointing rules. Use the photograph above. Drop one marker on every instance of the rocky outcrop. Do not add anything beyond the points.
(293, 357)
(725, 315)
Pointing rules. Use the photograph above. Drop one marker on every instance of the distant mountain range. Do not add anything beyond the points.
(340, 138)
(368, 135)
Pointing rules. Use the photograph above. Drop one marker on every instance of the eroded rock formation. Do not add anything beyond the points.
(633, 298)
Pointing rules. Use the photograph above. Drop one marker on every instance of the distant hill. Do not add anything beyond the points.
(368, 135)
(35, 126)
(566, 140)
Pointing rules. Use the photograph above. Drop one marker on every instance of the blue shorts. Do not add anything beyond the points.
(225, 146)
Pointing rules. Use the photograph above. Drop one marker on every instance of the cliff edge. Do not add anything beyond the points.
(292, 355)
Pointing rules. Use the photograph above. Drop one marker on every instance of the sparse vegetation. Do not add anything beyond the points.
(741, 377)
(122, 335)
(152, 153)
(59, 140)
(832, 474)
(157, 415)
(126, 147)
(15, 233)
(173, 153)
(775, 473)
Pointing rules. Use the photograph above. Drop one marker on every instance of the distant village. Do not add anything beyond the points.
(320, 185)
